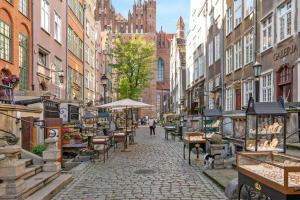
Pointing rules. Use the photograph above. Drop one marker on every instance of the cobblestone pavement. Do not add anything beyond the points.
(171, 177)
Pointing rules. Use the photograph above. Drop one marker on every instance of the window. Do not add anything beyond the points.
(42, 60)
(229, 60)
(23, 61)
(58, 67)
(80, 51)
(158, 103)
(91, 57)
(248, 48)
(267, 33)
(23, 7)
(57, 27)
(5, 41)
(91, 81)
(285, 76)
(285, 20)
(218, 9)
(266, 88)
(70, 38)
(86, 54)
(211, 19)
(229, 99)
(201, 65)
(45, 15)
(217, 47)
(160, 70)
(229, 21)
(237, 12)
(210, 53)
(248, 7)
(238, 55)
(87, 28)
(248, 91)
(86, 79)
(218, 81)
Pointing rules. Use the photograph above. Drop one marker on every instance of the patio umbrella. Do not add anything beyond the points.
(125, 104)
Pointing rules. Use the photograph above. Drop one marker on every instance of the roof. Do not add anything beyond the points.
(217, 112)
(265, 108)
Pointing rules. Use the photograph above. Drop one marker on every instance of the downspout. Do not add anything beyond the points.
(32, 58)
(254, 30)
(83, 50)
(67, 49)
(222, 61)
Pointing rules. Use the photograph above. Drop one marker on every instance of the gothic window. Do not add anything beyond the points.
(160, 70)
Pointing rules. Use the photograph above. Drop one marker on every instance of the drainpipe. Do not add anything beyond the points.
(222, 61)
(32, 58)
(67, 49)
(83, 50)
(254, 30)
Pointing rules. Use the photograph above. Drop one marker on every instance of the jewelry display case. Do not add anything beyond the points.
(265, 126)
(194, 140)
(212, 122)
(275, 175)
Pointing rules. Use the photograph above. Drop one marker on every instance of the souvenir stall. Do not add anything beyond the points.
(268, 175)
(265, 126)
(212, 122)
(193, 140)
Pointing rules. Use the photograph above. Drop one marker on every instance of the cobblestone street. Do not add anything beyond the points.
(169, 177)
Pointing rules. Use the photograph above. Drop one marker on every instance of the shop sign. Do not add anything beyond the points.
(51, 109)
(73, 112)
(285, 52)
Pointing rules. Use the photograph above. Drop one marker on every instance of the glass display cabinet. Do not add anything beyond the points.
(265, 126)
(269, 174)
(212, 122)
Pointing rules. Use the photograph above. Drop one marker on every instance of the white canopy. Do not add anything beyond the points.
(125, 103)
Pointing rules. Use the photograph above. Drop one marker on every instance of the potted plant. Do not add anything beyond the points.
(85, 154)
(38, 149)
(66, 138)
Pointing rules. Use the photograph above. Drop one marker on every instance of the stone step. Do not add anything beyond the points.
(27, 161)
(51, 189)
(33, 184)
(31, 171)
(38, 181)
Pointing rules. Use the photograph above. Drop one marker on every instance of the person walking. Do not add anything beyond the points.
(152, 125)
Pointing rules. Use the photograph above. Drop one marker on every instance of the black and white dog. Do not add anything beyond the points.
(209, 160)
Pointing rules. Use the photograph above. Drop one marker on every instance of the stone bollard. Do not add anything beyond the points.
(11, 169)
(51, 156)
(219, 159)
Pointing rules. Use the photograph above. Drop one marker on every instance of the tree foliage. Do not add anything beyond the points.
(134, 60)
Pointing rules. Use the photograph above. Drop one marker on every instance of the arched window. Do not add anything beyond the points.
(160, 70)
(5, 37)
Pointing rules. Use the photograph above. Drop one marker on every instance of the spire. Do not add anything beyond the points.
(180, 27)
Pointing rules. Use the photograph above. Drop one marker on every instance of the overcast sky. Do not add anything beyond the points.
(168, 11)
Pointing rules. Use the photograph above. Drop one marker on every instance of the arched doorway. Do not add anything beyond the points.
(284, 80)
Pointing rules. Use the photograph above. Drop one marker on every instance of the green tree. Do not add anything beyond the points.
(134, 60)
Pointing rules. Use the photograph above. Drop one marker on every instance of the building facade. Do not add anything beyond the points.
(163, 72)
(75, 60)
(16, 41)
(89, 52)
(49, 48)
(195, 57)
(177, 69)
(214, 58)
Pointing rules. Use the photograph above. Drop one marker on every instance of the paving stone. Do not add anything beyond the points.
(116, 179)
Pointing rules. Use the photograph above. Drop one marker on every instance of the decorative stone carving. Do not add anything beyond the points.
(51, 156)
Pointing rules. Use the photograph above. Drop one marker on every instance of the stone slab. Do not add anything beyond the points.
(221, 176)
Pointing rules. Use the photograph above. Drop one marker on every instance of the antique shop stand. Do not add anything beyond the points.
(266, 184)
(265, 126)
(213, 119)
(262, 170)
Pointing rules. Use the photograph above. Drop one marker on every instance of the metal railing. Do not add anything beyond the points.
(6, 94)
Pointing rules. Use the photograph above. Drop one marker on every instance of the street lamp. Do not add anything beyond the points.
(257, 73)
(104, 81)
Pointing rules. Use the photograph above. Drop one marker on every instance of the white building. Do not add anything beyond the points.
(177, 68)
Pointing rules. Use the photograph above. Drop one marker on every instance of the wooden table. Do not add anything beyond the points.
(194, 140)
(120, 138)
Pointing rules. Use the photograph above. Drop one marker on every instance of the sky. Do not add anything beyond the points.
(167, 12)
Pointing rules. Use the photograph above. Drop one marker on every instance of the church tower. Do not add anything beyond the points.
(180, 28)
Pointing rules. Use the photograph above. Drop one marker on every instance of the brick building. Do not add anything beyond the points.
(163, 72)
(16, 41)
(75, 35)
(141, 20)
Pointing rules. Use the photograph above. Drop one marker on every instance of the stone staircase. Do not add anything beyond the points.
(22, 179)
